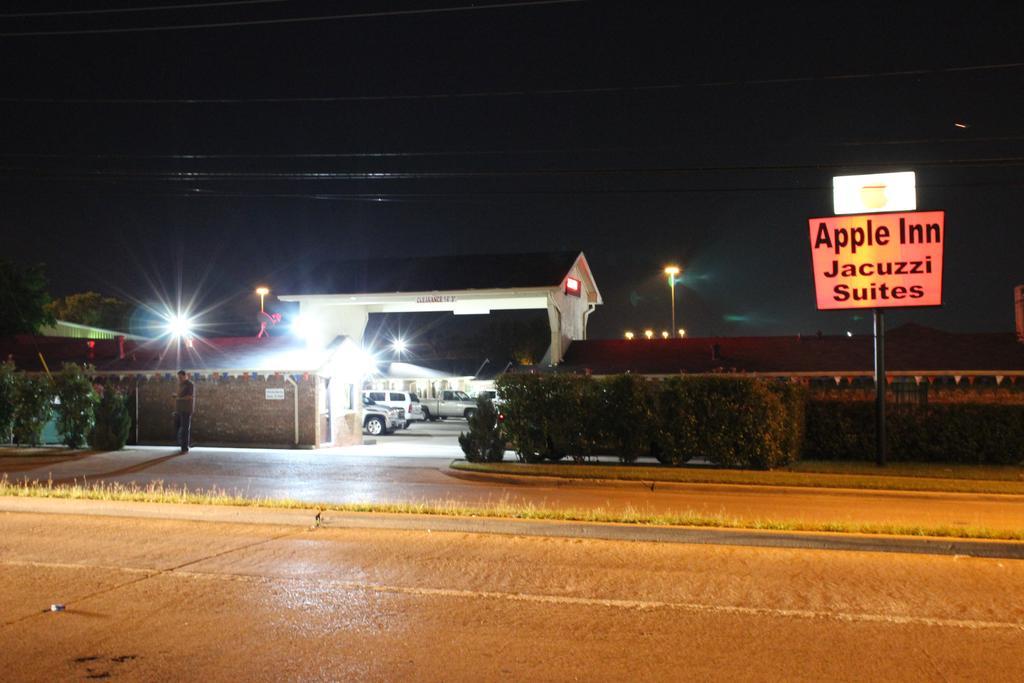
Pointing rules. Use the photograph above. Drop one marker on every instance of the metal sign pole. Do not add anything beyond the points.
(880, 441)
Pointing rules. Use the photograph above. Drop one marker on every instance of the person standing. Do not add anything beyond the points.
(184, 404)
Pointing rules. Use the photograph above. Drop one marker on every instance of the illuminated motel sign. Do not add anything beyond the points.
(882, 260)
(877, 253)
(875, 258)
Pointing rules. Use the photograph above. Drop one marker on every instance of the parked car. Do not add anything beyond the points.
(449, 404)
(491, 395)
(407, 401)
(378, 419)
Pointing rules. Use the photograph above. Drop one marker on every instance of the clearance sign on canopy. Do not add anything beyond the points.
(878, 260)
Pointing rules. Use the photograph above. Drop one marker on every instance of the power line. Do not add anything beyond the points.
(465, 195)
(200, 175)
(292, 20)
(928, 141)
(152, 8)
(201, 156)
(534, 92)
(313, 155)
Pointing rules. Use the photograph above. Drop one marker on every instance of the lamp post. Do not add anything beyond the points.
(262, 291)
(672, 271)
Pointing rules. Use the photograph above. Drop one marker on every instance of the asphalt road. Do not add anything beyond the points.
(413, 466)
(152, 599)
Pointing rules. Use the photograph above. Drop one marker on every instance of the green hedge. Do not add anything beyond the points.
(979, 433)
(76, 405)
(8, 381)
(731, 421)
(113, 422)
(33, 407)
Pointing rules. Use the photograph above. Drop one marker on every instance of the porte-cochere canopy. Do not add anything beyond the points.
(340, 295)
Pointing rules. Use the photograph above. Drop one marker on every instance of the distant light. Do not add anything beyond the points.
(849, 334)
(682, 332)
(960, 124)
(649, 333)
(664, 335)
(263, 291)
(672, 270)
(629, 335)
(179, 326)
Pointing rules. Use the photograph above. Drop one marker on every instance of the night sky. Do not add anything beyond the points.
(641, 133)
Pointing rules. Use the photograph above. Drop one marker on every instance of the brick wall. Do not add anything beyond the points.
(231, 410)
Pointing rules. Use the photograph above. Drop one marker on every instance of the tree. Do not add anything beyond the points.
(75, 411)
(23, 298)
(91, 308)
(484, 442)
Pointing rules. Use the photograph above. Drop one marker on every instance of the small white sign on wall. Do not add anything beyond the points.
(275, 394)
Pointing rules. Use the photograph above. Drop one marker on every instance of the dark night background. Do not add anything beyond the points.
(639, 132)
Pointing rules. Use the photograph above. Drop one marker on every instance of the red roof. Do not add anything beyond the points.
(223, 353)
(909, 349)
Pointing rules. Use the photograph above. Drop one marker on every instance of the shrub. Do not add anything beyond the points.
(794, 402)
(626, 413)
(33, 407)
(113, 422)
(981, 433)
(484, 442)
(736, 422)
(7, 400)
(77, 402)
(731, 421)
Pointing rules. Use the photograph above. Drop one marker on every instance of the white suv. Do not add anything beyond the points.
(408, 402)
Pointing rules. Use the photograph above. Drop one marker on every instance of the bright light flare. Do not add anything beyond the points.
(305, 326)
(179, 326)
(399, 346)
(649, 334)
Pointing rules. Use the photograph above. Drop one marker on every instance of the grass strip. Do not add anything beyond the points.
(705, 475)
(157, 492)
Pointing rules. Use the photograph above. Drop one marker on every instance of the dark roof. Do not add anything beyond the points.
(269, 354)
(909, 348)
(435, 273)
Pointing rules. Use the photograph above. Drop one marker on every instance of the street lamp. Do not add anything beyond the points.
(664, 334)
(672, 272)
(629, 335)
(262, 291)
(179, 326)
(649, 333)
(682, 333)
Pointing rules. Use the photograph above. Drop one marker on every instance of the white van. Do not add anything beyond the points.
(398, 399)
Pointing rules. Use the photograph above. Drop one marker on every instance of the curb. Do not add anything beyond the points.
(654, 485)
(1010, 550)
